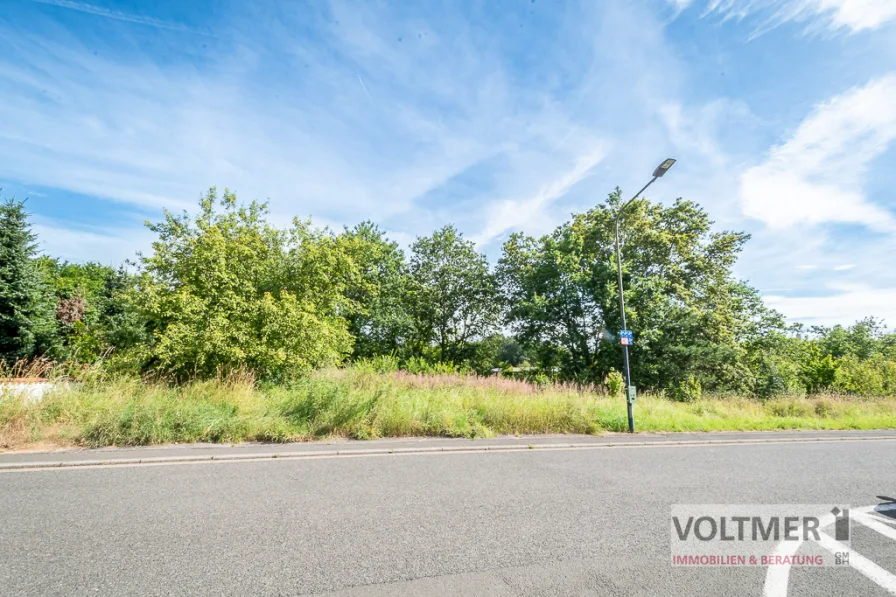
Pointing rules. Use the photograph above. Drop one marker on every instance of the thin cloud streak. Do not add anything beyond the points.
(531, 212)
(833, 15)
(120, 16)
(364, 87)
(491, 124)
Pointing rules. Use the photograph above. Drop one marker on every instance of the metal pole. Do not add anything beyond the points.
(628, 373)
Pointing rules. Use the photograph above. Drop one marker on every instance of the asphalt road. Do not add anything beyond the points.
(530, 522)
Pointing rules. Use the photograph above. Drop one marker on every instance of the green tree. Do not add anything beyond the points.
(494, 351)
(691, 318)
(225, 289)
(95, 310)
(381, 322)
(859, 359)
(27, 310)
(452, 295)
(863, 339)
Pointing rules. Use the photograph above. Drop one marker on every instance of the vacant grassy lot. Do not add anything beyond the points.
(365, 404)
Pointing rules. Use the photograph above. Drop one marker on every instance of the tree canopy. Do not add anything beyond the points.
(223, 289)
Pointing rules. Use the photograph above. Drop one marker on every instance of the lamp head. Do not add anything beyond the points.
(662, 168)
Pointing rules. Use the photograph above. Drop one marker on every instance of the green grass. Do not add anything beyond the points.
(365, 404)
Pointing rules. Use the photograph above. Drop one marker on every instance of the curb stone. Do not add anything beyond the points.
(357, 452)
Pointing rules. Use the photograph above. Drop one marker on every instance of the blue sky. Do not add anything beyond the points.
(498, 116)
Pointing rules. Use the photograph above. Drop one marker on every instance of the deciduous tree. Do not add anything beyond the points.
(452, 294)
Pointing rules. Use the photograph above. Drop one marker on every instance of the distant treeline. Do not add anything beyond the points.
(224, 289)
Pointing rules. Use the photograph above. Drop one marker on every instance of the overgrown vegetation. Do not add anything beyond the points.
(369, 400)
(225, 290)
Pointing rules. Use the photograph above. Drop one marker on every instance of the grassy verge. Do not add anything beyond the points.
(359, 404)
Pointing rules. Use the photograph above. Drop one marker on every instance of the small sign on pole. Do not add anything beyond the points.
(626, 338)
(631, 394)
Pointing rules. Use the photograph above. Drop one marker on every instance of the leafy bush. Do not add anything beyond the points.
(377, 364)
(823, 407)
(615, 383)
(819, 372)
(688, 390)
(872, 377)
(775, 376)
(226, 290)
(790, 408)
(422, 366)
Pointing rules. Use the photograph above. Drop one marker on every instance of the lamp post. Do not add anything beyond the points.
(629, 394)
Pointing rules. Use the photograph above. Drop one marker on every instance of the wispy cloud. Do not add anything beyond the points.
(120, 16)
(530, 213)
(106, 246)
(817, 175)
(696, 129)
(420, 114)
(305, 132)
(850, 15)
(839, 307)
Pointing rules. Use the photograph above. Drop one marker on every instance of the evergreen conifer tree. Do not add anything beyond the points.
(27, 309)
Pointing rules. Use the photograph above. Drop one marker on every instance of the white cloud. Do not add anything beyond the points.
(153, 135)
(816, 176)
(843, 307)
(106, 246)
(680, 5)
(853, 15)
(355, 125)
(858, 14)
(530, 213)
(696, 129)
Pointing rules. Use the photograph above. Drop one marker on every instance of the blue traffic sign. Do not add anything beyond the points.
(626, 338)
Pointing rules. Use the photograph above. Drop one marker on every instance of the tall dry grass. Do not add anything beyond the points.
(26, 370)
(361, 403)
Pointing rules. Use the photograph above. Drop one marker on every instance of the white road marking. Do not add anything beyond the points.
(860, 563)
(777, 578)
(875, 525)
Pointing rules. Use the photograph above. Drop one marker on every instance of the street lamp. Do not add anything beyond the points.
(625, 337)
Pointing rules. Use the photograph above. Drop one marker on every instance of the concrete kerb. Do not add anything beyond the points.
(359, 452)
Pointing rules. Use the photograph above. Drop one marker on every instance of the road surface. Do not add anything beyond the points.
(579, 521)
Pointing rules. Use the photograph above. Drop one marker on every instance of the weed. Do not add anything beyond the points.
(372, 401)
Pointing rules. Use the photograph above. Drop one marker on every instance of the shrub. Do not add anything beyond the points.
(227, 290)
(790, 408)
(422, 366)
(871, 377)
(615, 383)
(688, 390)
(819, 372)
(823, 407)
